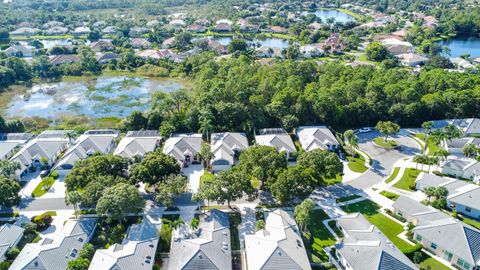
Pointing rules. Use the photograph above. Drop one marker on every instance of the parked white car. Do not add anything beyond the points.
(365, 130)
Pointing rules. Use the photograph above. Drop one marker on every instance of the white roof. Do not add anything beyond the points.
(225, 144)
(180, 145)
(131, 146)
(394, 41)
(315, 137)
(282, 142)
(278, 246)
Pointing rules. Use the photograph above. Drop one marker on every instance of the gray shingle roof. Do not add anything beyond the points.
(207, 248)
(53, 253)
(9, 235)
(430, 180)
(138, 143)
(365, 247)
(469, 198)
(313, 137)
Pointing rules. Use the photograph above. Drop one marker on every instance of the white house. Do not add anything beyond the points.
(20, 50)
(455, 146)
(184, 148)
(278, 246)
(10, 235)
(138, 143)
(412, 59)
(10, 142)
(397, 46)
(309, 51)
(89, 143)
(278, 138)
(462, 168)
(43, 150)
(316, 137)
(365, 247)
(226, 148)
(468, 126)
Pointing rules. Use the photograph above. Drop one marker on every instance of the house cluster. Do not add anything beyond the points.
(462, 195)
(440, 234)
(227, 146)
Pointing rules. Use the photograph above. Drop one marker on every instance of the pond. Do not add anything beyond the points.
(267, 42)
(460, 46)
(105, 96)
(339, 16)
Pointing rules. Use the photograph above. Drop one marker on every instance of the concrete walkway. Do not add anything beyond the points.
(249, 220)
(193, 173)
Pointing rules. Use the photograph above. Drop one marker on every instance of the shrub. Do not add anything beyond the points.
(12, 253)
(54, 174)
(260, 225)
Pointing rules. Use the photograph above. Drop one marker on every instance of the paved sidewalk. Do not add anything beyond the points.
(193, 173)
(249, 220)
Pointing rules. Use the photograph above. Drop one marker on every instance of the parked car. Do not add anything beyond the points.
(341, 155)
(44, 173)
(365, 130)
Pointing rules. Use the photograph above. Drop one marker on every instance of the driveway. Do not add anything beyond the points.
(32, 179)
(383, 159)
(193, 173)
(57, 190)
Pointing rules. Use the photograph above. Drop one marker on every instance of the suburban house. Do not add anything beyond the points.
(397, 46)
(89, 143)
(309, 51)
(10, 235)
(140, 43)
(278, 138)
(81, 31)
(462, 168)
(102, 45)
(63, 59)
(455, 146)
(137, 31)
(222, 27)
(138, 143)
(278, 246)
(20, 50)
(197, 28)
(365, 247)
(316, 137)
(412, 59)
(207, 247)
(468, 126)
(462, 196)
(109, 30)
(43, 150)
(226, 148)
(462, 64)
(442, 235)
(10, 142)
(56, 31)
(277, 29)
(107, 57)
(25, 31)
(137, 250)
(184, 148)
(55, 250)
(268, 52)
(51, 24)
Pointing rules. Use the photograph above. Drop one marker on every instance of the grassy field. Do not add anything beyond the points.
(333, 181)
(389, 144)
(392, 196)
(357, 164)
(43, 187)
(317, 237)
(393, 175)
(407, 182)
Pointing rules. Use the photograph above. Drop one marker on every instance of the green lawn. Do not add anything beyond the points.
(348, 198)
(43, 187)
(430, 263)
(432, 148)
(407, 182)
(389, 144)
(393, 175)
(470, 222)
(317, 237)
(392, 196)
(333, 225)
(333, 181)
(389, 227)
(357, 164)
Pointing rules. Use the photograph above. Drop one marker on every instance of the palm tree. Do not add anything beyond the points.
(206, 154)
(205, 123)
(470, 150)
(177, 223)
(71, 136)
(73, 197)
(351, 138)
(430, 192)
(194, 223)
(427, 126)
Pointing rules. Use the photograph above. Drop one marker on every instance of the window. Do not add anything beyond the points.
(448, 256)
(468, 209)
(418, 238)
(462, 263)
(433, 245)
(400, 213)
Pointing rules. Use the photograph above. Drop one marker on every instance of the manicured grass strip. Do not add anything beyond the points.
(333, 181)
(432, 148)
(43, 187)
(235, 220)
(430, 263)
(389, 144)
(389, 227)
(317, 237)
(348, 198)
(392, 196)
(333, 225)
(407, 182)
(357, 164)
(470, 222)
(393, 175)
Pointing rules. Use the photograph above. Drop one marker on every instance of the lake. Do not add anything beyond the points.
(266, 42)
(339, 16)
(105, 96)
(461, 46)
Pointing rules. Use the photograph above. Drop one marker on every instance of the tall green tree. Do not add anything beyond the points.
(321, 164)
(351, 138)
(119, 200)
(171, 187)
(303, 213)
(8, 168)
(376, 51)
(154, 167)
(9, 190)
(388, 128)
(292, 183)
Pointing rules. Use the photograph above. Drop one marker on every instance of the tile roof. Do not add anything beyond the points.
(131, 145)
(315, 137)
(9, 235)
(179, 145)
(225, 144)
(277, 138)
